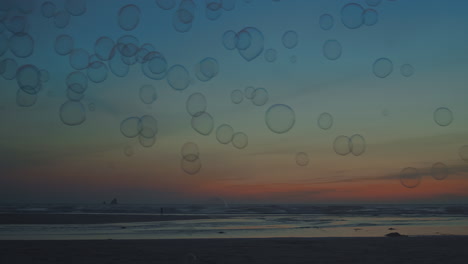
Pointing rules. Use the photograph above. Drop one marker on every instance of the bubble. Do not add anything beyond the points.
(237, 96)
(244, 39)
(302, 159)
(443, 116)
(209, 67)
(326, 21)
(61, 19)
(342, 145)
(3, 44)
(229, 5)
(189, 151)
(370, 17)
(256, 44)
(290, 39)
(97, 72)
(230, 40)
(72, 113)
(72, 95)
(178, 77)
(75, 7)
(409, 177)
(104, 48)
(118, 67)
(439, 171)
(91, 107)
(166, 4)
(24, 99)
(179, 18)
(325, 121)
(249, 92)
(44, 75)
(382, 67)
(77, 81)
(28, 78)
(146, 67)
(191, 167)
(203, 123)
(148, 94)
(79, 59)
(373, 2)
(16, 24)
(224, 133)
(406, 70)
(351, 15)
(270, 55)
(63, 44)
(129, 151)
(131, 127)
(280, 118)
(48, 9)
(240, 140)
(357, 144)
(157, 64)
(463, 152)
(21, 45)
(332, 49)
(260, 97)
(10, 66)
(146, 142)
(128, 17)
(213, 9)
(149, 126)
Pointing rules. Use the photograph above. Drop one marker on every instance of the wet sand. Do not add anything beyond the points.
(443, 249)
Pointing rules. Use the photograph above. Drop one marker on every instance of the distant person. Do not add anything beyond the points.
(162, 211)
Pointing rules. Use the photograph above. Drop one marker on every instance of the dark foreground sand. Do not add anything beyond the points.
(239, 251)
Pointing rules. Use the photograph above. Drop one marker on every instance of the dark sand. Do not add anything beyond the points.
(424, 250)
(62, 219)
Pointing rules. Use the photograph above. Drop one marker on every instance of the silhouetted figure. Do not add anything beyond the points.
(162, 211)
(114, 201)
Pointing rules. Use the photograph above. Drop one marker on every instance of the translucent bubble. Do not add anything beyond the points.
(463, 152)
(213, 9)
(326, 21)
(178, 77)
(373, 2)
(131, 127)
(179, 18)
(77, 81)
(63, 44)
(28, 78)
(351, 15)
(21, 45)
(230, 40)
(249, 92)
(72, 113)
(118, 67)
(196, 104)
(240, 140)
(72, 95)
(9, 67)
(128, 17)
(439, 171)
(3, 44)
(166, 4)
(24, 99)
(44, 75)
(357, 144)
(157, 64)
(325, 121)
(256, 44)
(191, 167)
(104, 48)
(189, 151)
(146, 67)
(332, 49)
(229, 5)
(270, 55)
(91, 107)
(370, 17)
(148, 94)
(75, 7)
(342, 145)
(280, 118)
(203, 123)
(302, 159)
(224, 133)
(48, 9)
(443, 116)
(61, 19)
(290, 39)
(382, 67)
(149, 126)
(146, 142)
(199, 74)
(237, 96)
(244, 39)
(97, 71)
(406, 70)
(260, 97)
(410, 177)
(209, 67)
(129, 151)
(79, 59)
(16, 24)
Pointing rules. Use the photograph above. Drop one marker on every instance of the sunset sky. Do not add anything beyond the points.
(44, 160)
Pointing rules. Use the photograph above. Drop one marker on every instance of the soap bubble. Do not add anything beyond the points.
(166, 4)
(203, 123)
(77, 81)
(382, 67)
(104, 48)
(237, 96)
(230, 40)
(439, 171)
(97, 72)
(128, 17)
(410, 177)
(357, 144)
(326, 22)
(182, 20)
(332, 49)
(290, 39)
(48, 9)
(178, 77)
(209, 67)
(131, 127)
(118, 67)
(28, 78)
(75, 7)
(146, 142)
(61, 19)
(342, 145)
(443, 116)
(256, 44)
(463, 152)
(270, 55)
(72, 113)
(240, 140)
(370, 17)
(406, 70)
(79, 59)
(196, 104)
(280, 118)
(63, 44)
(244, 40)
(24, 99)
(213, 9)
(145, 66)
(351, 15)
(189, 151)
(260, 97)
(302, 159)
(191, 167)
(157, 64)
(148, 94)
(148, 126)
(224, 133)
(325, 121)
(21, 45)
(249, 92)
(72, 95)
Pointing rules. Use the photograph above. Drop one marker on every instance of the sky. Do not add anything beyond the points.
(45, 157)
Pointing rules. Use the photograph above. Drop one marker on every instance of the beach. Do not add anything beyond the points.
(441, 249)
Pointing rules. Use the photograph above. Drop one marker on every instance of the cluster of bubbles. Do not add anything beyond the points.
(354, 16)
(383, 67)
(61, 15)
(258, 96)
(248, 42)
(144, 127)
(343, 145)
(190, 158)
(411, 177)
